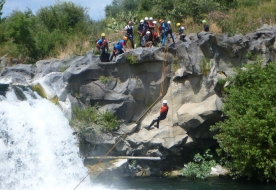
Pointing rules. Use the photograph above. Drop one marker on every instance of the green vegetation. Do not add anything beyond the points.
(132, 59)
(54, 100)
(2, 2)
(61, 29)
(200, 167)
(205, 66)
(38, 88)
(65, 28)
(87, 116)
(247, 139)
(104, 79)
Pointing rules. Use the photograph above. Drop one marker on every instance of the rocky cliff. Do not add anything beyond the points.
(135, 81)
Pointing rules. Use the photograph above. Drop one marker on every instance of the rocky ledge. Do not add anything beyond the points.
(190, 84)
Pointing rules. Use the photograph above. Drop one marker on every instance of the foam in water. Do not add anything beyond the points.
(37, 148)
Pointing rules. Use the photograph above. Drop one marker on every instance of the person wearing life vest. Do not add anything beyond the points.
(102, 44)
(119, 48)
(146, 41)
(205, 26)
(181, 32)
(163, 114)
(151, 25)
(163, 28)
(141, 30)
(129, 33)
(169, 30)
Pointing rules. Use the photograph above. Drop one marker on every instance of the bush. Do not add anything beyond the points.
(201, 167)
(247, 139)
(90, 115)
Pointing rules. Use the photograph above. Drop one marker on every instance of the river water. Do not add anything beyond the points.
(38, 151)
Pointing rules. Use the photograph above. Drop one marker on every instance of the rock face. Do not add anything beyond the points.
(187, 77)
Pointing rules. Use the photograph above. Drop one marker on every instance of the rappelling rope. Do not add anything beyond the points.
(159, 98)
(163, 69)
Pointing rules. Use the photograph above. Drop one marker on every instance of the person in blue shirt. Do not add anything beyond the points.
(163, 30)
(119, 48)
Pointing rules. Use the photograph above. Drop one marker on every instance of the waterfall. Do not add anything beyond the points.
(37, 148)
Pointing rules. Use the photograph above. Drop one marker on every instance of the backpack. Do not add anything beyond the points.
(165, 26)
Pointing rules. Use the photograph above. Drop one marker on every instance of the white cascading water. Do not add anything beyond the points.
(37, 148)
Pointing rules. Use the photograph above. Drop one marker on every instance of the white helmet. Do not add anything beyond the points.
(165, 101)
(146, 18)
(148, 32)
(150, 18)
(154, 22)
(182, 28)
(142, 21)
(169, 22)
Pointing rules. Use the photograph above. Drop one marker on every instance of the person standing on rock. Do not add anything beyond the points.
(163, 114)
(129, 33)
(205, 26)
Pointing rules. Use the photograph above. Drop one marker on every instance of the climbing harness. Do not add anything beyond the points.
(158, 99)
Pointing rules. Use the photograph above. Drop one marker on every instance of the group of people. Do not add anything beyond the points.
(149, 35)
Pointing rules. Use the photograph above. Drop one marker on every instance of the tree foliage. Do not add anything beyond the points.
(65, 16)
(2, 2)
(200, 167)
(247, 139)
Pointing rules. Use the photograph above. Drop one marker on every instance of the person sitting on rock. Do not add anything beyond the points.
(163, 114)
(119, 48)
(146, 40)
(181, 30)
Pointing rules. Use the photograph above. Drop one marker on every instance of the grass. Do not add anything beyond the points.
(85, 116)
(104, 79)
(132, 59)
(54, 100)
(205, 66)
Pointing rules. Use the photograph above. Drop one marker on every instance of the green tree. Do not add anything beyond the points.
(65, 16)
(19, 28)
(247, 139)
(2, 2)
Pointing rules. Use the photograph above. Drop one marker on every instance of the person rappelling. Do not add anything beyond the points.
(163, 114)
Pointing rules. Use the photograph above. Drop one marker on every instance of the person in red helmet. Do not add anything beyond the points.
(163, 114)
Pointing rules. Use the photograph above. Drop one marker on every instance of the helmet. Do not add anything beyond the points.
(154, 22)
(169, 22)
(150, 18)
(204, 21)
(125, 38)
(178, 24)
(146, 18)
(148, 32)
(103, 34)
(142, 21)
(165, 101)
(160, 20)
(182, 28)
